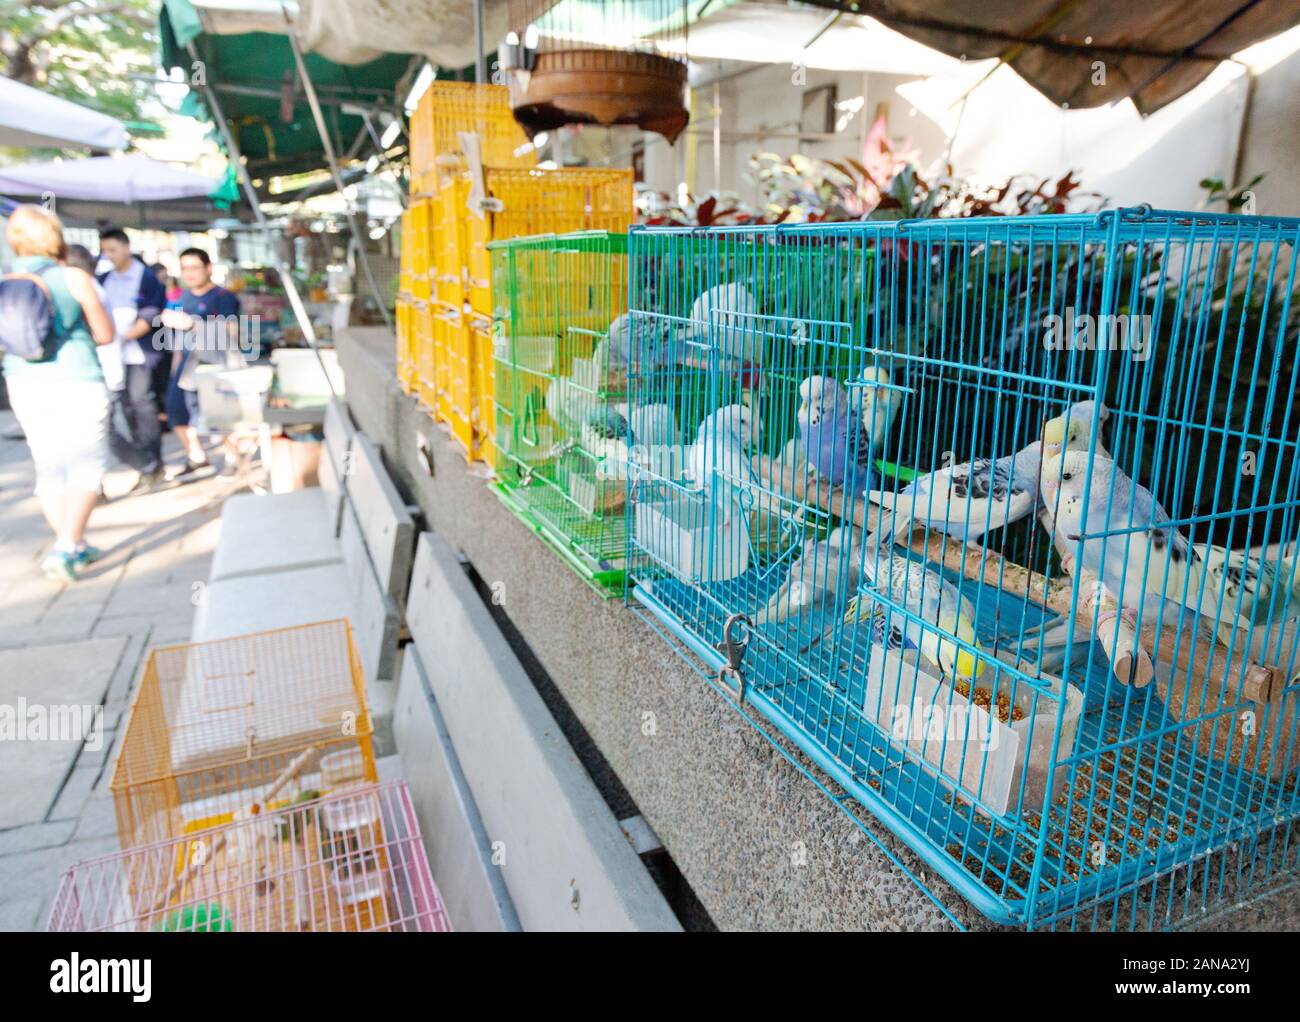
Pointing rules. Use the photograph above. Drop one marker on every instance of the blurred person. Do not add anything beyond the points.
(208, 324)
(60, 400)
(136, 299)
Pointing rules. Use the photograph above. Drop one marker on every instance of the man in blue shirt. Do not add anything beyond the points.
(135, 298)
(208, 321)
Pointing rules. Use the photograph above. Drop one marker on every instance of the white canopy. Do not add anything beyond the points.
(106, 179)
(30, 118)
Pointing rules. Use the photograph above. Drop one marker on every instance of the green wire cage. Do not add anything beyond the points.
(563, 445)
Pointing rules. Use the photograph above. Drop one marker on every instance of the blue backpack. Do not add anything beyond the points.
(29, 325)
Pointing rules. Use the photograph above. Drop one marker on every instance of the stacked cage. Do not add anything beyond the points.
(510, 203)
(215, 726)
(349, 861)
(563, 440)
(455, 125)
(405, 318)
(916, 519)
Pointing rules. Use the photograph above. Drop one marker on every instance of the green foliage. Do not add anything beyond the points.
(82, 50)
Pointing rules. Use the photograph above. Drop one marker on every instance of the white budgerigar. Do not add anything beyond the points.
(654, 425)
(726, 317)
(1146, 568)
(965, 501)
(824, 573)
(921, 590)
(721, 450)
(878, 406)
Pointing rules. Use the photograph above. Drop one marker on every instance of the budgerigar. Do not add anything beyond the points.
(721, 450)
(878, 406)
(924, 592)
(606, 437)
(1071, 430)
(1144, 568)
(726, 316)
(654, 425)
(825, 572)
(827, 440)
(638, 341)
(965, 501)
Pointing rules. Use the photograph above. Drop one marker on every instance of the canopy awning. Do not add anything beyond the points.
(248, 60)
(32, 119)
(126, 179)
(1087, 53)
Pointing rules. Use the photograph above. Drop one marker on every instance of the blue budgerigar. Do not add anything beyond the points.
(827, 440)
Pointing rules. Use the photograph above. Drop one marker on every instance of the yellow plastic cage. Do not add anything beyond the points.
(420, 214)
(422, 334)
(214, 724)
(523, 202)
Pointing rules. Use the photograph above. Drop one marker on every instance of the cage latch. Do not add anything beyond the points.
(730, 676)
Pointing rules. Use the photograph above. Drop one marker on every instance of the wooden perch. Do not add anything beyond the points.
(255, 808)
(1198, 691)
(1117, 633)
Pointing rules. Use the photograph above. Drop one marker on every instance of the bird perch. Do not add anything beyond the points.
(1235, 676)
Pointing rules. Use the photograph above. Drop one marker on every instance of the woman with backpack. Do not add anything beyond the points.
(57, 392)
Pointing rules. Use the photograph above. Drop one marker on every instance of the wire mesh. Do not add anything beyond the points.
(564, 441)
(645, 26)
(521, 203)
(213, 723)
(348, 861)
(874, 526)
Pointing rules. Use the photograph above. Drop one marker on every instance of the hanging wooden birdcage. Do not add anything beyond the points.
(605, 62)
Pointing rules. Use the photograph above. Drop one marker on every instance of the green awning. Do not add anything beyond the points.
(256, 82)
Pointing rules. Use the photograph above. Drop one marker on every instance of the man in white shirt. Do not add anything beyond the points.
(136, 300)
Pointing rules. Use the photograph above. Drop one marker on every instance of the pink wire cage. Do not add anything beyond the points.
(351, 860)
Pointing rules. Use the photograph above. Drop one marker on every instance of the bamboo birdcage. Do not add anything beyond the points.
(608, 62)
(348, 861)
(212, 723)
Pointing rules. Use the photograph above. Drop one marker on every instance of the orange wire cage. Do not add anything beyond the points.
(352, 860)
(214, 724)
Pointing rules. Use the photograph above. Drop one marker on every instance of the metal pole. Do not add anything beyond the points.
(480, 58)
(286, 275)
(321, 129)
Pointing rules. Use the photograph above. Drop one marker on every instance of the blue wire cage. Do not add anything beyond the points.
(996, 521)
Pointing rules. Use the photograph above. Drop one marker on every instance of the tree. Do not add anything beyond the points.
(82, 50)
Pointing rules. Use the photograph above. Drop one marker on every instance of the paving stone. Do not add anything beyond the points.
(36, 835)
(23, 915)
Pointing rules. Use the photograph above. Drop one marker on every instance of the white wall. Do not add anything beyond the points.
(1007, 128)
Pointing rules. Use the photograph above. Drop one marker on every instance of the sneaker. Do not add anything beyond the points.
(60, 566)
(87, 555)
(147, 482)
(191, 467)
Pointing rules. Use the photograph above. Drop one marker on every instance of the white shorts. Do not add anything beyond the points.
(66, 422)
